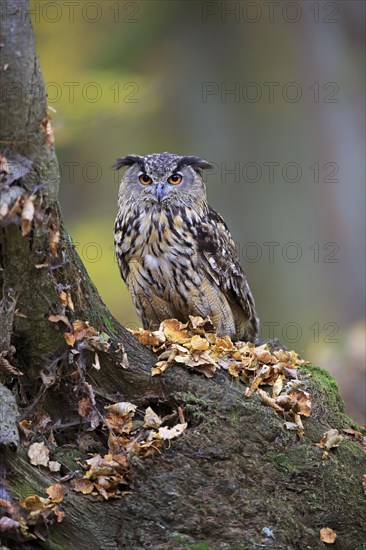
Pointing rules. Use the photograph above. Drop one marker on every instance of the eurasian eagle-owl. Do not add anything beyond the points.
(175, 253)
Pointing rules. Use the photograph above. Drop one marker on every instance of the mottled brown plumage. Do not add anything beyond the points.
(174, 251)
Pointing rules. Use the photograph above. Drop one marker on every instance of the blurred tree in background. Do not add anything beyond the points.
(271, 93)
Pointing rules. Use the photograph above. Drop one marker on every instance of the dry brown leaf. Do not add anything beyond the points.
(194, 346)
(59, 514)
(48, 130)
(119, 417)
(285, 402)
(25, 426)
(198, 323)
(96, 363)
(122, 408)
(34, 503)
(39, 509)
(170, 433)
(27, 215)
(268, 400)
(303, 400)
(63, 298)
(159, 368)
(222, 344)
(208, 370)
(70, 338)
(70, 303)
(82, 329)
(277, 386)
(265, 369)
(263, 355)
(38, 454)
(16, 209)
(330, 439)
(85, 406)
(19, 314)
(55, 492)
(8, 368)
(172, 330)
(58, 318)
(54, 466)
(327, 535)
(357, 434)
(151, 339)
(151, 419)
(54, 239)
(82, 485)
(197, 343)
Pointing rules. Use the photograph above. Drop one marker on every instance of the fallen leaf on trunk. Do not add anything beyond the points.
(151, 419)
(170, 433)
(54, 466)
(82, 485)
(330, 439)
(39, 454)
(327, 535)
(85, 406)
(48, 131)
(27, 215)
(55, 492)
(119, 417)
(58, 318)
(8, 368)
(172, 328)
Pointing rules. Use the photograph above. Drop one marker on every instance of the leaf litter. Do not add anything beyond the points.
(110, 476)
(271, 374)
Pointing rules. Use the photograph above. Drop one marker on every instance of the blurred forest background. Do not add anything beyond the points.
(273, 94)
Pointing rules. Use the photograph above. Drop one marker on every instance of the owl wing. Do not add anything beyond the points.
(221, 263)
(122, 243)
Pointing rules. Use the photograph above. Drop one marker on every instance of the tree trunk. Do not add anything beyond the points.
(237, 479)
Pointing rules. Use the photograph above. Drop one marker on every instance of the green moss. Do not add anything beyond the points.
(71, 458)
(22, 488)
(234, 416)
(325, 378)
(108, 323)
(284, 461)
(198, 546)
(354, 448)
(325, 392)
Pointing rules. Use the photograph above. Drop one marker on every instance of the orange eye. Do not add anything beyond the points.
(145, 179)
(175, 179)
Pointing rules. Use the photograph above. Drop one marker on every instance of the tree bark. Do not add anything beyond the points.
(237, 479)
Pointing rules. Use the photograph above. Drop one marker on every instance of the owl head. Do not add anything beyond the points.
(162, 179)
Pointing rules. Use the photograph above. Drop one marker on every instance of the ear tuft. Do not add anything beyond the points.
(196, 162)
(128, 160)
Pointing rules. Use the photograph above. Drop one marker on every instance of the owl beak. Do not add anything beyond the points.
(160, 191)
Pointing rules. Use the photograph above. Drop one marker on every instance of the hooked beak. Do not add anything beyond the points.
(160, 191)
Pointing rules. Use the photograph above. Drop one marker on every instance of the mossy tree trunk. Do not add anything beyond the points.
(237, 479)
